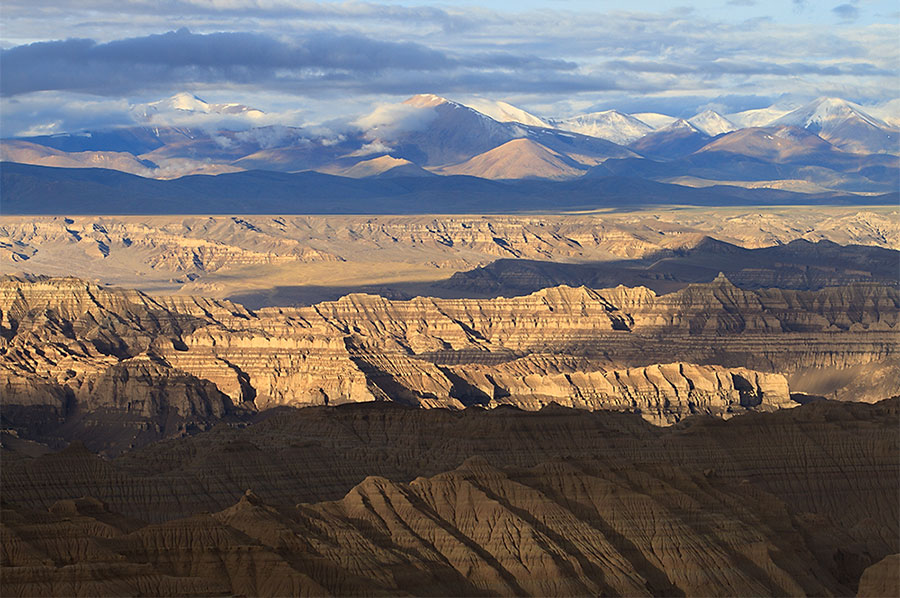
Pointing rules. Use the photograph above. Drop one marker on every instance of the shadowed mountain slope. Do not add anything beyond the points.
(796, 265)
(42, 190)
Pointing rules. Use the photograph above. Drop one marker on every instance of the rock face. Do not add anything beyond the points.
(798, 265)
(380, 499)
(75, 350)
(881, 579)
(663, 393)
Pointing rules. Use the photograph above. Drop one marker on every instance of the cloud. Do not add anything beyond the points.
(846, 12)
(48, 113)
(391, 120)
(181, 57)
(260, 10)
(741, 3)
(127, 65)
(325, 59)
(51, 112)
(368, 149)
(748, 67)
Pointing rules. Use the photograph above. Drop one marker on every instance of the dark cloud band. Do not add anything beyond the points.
(130, 65)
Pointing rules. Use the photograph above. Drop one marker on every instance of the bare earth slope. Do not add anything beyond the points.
(559, 502)
(518, 159)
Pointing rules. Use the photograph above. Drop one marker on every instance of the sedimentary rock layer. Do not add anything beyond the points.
(75, 354)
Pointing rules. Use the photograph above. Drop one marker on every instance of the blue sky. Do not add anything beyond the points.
(781, 11)
(70, 65)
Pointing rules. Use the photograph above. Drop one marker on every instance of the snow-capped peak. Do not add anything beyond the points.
(712, 123)
(823, 111)
(611, 125)
(185, 104)
(682, 125)
(426, 100)
(184, 101)
(654, 119)
(758, 117)
(504, 112)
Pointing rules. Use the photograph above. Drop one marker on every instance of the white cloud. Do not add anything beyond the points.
(390, 120)
(358, 53)
(373, 148)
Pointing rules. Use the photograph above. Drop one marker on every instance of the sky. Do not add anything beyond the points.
(69, 65)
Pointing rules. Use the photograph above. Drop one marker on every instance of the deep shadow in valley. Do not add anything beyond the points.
(473, 502)
(799, 265)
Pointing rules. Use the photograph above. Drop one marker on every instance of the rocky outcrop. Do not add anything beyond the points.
(798, 265)
(881, 579)
(76, 356)
(662, 394)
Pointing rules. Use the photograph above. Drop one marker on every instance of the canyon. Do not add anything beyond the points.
(488, 299)
(288, 260)
(117, 368)
(607, 403)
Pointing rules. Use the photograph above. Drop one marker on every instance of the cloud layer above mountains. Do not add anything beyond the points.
(184, 58)
(329, 57)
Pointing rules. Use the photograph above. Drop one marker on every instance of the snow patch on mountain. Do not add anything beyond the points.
(681, 124)
(611, 125)
(164, 110)
(712, 123)
(888, 112)
(846, 125)
(504, 112)
(824, 113)
(759, 117)
(391, 120)
(426, 100)
(654, 119)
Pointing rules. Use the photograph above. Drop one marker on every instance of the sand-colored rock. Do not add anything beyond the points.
(84, 353)
(662, 393)
(881, 579)
(283, 260)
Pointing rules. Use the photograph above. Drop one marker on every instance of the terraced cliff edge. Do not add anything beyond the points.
(118, 369)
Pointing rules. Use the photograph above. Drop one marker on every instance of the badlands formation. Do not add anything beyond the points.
(117, 368)
(373, 499)
(288, 260)
(476, 428)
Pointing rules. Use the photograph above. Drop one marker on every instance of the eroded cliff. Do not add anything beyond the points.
(86, 354)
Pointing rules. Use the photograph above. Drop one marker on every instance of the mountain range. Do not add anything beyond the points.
(829, 145)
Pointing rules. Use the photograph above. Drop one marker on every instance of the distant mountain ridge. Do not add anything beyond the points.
(845, 125)
(430, 134)
(29, 189)
(611, 125)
